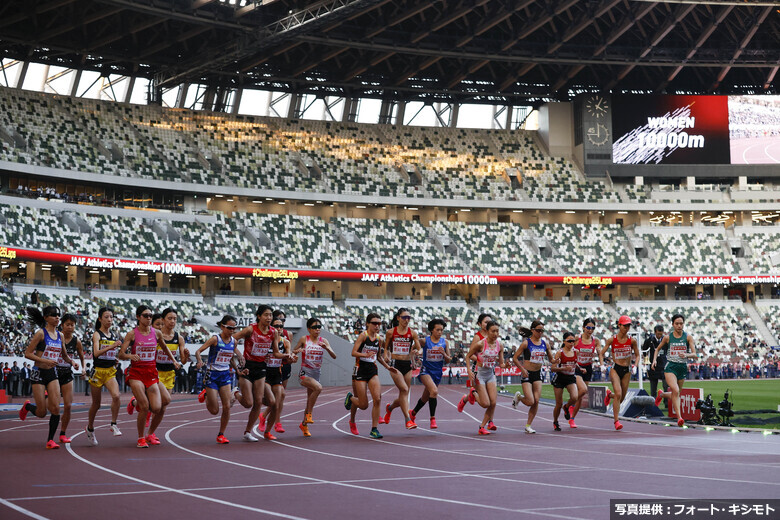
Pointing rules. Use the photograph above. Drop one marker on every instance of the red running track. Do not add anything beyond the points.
(450, 472)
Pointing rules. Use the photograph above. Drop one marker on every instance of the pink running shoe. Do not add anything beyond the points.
(462, 403)
(491, 426)
(571, 423)
(153, 440)
(412, 415)
(142, 443)
(433, 423)
(131, 406)
(618, 426)
(472, 396)
(51, 445)
(64, 439)
(148, 418)
(483, 431)
(571, 412)
(659, 397)
(261, 425)
(353, 428)
(221, 439)
(279, 428)
(388, 411)
(608, 398)
(23, 411)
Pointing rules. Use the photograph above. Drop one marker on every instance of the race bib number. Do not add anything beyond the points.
(436, 354)
(584, 356)
(622, 353)
(372, 355)
(52, 353)
(109, 354)
(678, 350)
(401, 347)
(489, 361)
(260, 349)
(223, 357)
(147, 353)
(274, 361)
(314, 356)
(537, 356)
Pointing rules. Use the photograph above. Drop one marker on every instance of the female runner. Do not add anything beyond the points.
(490, 354)
(222, 347)
(142, 377)
(563, 367)
(482, 320)
(681, 348)
(44, 349)
(274, 390)
(311, 348)
(586, 347)
(165, 369)
(367, 351)
(71, 346)
(104, 345)
(435, 352)
(157, 323)
(533, 350)
(399, 342)
(259, 339)
(286, 365)
(620, 375)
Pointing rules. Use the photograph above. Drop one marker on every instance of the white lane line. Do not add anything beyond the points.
(22, 510)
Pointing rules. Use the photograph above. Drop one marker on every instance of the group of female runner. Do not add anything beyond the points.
(265, 365)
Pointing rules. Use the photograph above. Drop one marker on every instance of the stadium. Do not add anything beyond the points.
(554, 161)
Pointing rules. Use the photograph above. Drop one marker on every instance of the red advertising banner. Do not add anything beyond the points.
(156, 266)
(688, 398)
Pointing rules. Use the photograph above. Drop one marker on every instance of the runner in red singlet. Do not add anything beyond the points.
(563, 367)
(622, 347)
(587, 348)
(400, 342)
(260, 341)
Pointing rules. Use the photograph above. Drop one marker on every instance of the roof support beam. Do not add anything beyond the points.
(538, 23)
(743, 44)
(587, 19)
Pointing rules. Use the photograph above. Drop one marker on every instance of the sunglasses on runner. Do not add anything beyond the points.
(589, 327)
(374, 322)
(316, 327)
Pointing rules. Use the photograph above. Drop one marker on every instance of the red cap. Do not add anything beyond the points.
(624, 320)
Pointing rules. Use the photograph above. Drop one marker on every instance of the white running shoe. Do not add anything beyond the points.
(115, 430)
(91, 436)
(233, 397)
(248, 437)
(516, 399)
(528, 429)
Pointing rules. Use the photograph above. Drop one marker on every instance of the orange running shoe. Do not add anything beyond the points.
(142, 443)
(221, 439)
(305, 430)
(202, 396)
(410, 425)
(387, 414)
(307, 419)
(269, 436)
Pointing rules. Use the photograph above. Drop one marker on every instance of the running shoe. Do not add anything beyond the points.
(23, 410)
(353, 428)
(307, 419)
(91, 436)
(202, 396)
(148, 418)
(305, 430)
(433, 423)
(410, 425)
(142, 443)
(388, 411)
(462, 404)
(233, 398)
(607, 398)
(131, 406)
(680, 423)
(491, 426)
(566, 413)
(528, 429)
(659, 397)
(51, 445)
(221, 439)
(412, 415)
(472, 396)
(64, 439)
(278, 428)
(269, 436)
(483, 431)
(571, 423)
(556, 427)
(153, 440)
(248, 437)
(516, 399)
(348, 401)
(375, 434)
(261, 422)
(618, 426)
(571, 412)
(115, 430)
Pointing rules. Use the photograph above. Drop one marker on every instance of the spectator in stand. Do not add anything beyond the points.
(7, 379)
(14, 384)
(34, 297)
(25, 376)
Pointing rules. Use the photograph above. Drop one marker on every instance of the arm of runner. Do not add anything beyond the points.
(122, 354)
(209, 343)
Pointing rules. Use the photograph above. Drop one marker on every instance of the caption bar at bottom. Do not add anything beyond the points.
(695, 509)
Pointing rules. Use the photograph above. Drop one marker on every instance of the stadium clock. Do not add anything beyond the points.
(597, 106)
(598, 134)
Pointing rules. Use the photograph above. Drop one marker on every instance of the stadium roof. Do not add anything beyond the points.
(497, 51)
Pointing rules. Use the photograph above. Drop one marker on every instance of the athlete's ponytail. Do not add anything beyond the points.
(526, 332)
(36, 317)
(395, 322)
(226, 319)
